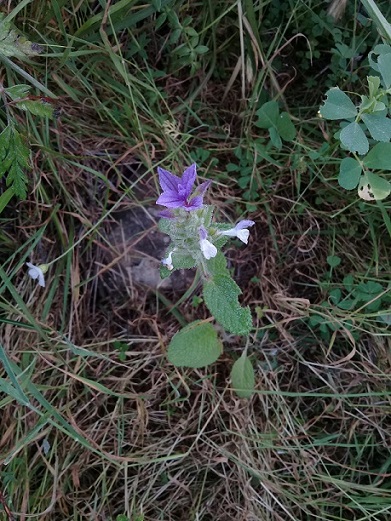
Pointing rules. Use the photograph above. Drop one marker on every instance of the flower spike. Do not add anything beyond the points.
(177, 191)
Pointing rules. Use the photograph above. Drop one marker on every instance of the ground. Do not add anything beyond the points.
(96, 424)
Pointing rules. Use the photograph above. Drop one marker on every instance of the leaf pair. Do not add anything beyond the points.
(338, 106)
(197, 345)
(36, 105)
(278, 124)
(355, 173)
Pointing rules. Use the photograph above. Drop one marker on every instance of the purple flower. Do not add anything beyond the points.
(177, 191)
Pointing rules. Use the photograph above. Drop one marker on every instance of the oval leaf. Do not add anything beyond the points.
(384, 64)
(373, 187)
(242, 377)
(268, 115)
(349, 173)
(285, 127)
(379, 158)
(338, 105)
(353, 138)
(196, 345)
(379, 126)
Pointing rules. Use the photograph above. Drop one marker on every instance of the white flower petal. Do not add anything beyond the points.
(230, 233)
(168, 261)
(35, 272)
(208, 249)
(239, 231)
(243, 235)
(41, 278)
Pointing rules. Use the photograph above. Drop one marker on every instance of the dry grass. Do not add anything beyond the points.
(102, 427)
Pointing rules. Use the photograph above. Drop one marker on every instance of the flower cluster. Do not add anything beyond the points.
(189, 222)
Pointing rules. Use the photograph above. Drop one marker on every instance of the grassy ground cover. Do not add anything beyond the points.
(95, 423)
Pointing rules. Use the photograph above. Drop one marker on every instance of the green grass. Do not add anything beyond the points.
(92, 431)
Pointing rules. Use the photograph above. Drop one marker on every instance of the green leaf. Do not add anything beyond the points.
(217, 265)
(373, 85)
(379, 126)
(275, 138)
(157, 4)
(347, 304)
(17, 180)
(353, 138)
(221, 298)
(182, 260)
(338, 105)
(335, 296)
(385, 317)
(333, 261)
(201, 49)
(38, 108)
(12, 44)
(384, 64)
(349, 173)
(285, 127)
(164, 271)
(373, 187)
(6, 197)
(348, 282)
(378, 50)
(366, 291)
(268, 115)
(18, 91)
(243, 377)
(244, 181)
(379, 157)
(164, 225)
(196, 345)
(14, 157)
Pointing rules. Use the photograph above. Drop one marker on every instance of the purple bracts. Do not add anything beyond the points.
(177, 191)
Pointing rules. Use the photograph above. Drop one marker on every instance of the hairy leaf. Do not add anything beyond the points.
(18, 91)
(221, 298)
(242, 377)
(196, 345)
(12, 44)
(38, 108)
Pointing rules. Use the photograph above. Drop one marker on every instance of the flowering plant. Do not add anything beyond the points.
(196, 241)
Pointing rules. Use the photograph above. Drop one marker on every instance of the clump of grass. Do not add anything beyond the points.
(95, 424)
